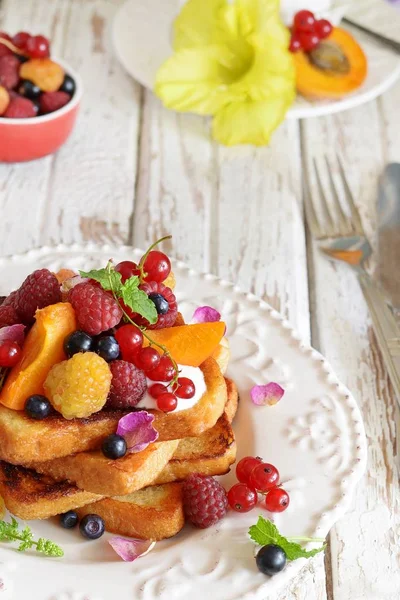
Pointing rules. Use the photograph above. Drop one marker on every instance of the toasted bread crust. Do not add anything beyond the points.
(232, 402)
(29, 495)
(154, 513)
(24, 440)
(93, 472)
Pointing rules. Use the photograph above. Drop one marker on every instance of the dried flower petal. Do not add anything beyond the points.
(137, 429)
(269, 394)
(130, 550)
(206, 314)
(13, 333)
(70, 283)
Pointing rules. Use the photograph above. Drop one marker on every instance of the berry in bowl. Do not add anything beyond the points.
(39, 98)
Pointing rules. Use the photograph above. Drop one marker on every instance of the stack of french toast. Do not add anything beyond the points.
(54, 465)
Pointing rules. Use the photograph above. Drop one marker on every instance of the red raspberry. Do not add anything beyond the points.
(9, 71)
(51, 101)
(39, 289)
(164, 320)
(96, 310)
(10, 299)
(128, 385)
(4, 50)
(21, 108)
(8, 316)
(204, 500)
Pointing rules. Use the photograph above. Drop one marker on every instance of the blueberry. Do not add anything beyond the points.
(114, 446)
(107, 347)
(21, 58)
(162, 305)
(29, 90)
(271, 559)
(68, 85)
(91, 527)
(69, 519)
(37, 407)
(77, 341)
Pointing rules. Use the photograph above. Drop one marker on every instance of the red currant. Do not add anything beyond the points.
(157, 389)
(295, 43)
(264, 477)
(127, 269)
(10, 353)
(323, 28)
(245, 467)
(242, 498)
(304, 20)
(186, 388)
(167, 402)
(20, 39)
(309, 40)
(147, 359)
(157, 266)
(130, 340)
(277, 500)
(164, 371)
(38, 47)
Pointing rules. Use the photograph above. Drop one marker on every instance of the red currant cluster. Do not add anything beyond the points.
(34, 46)
(156, 368)
(307, 31)
(256, 477)
(10, 353)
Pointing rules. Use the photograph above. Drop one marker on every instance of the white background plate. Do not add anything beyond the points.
(315, 437)
(142, 42)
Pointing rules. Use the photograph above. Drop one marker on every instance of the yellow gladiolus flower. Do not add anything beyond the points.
(231, 61)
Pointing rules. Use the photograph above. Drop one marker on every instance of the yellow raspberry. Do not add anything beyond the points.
(79, 387)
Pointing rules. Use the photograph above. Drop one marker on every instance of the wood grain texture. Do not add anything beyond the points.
(364, 543)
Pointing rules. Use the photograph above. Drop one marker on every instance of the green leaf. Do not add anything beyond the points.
(10, 532)
(109, 278)
(265, 532)
(138, 300)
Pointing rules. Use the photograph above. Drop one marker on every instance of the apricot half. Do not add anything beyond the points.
(335, 68)
(42, 349)
(189, 344)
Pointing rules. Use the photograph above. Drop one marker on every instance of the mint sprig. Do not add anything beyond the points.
(265, 532)
(130, 294)
(10, 532)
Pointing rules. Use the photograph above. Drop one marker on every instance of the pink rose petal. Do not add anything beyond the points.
(269, 394)
(13, 333)
(206, 314)
(130, 550)
(137, 429)
(70, 283)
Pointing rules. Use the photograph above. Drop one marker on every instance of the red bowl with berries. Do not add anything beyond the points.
(39, 100)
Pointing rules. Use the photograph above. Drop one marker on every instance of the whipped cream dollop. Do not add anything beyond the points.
(193, 373)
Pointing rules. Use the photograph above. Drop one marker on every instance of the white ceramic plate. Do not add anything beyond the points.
(315, 436)
(142, 42)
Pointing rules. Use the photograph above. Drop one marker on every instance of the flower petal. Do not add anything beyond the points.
(130, 550)
(192, 80)
(197, 24)
(269, 394)
(249, 122)
(137, 429)
(13, 333)
(206, 314)
(68, 284)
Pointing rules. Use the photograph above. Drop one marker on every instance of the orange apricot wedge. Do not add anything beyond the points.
(189, 344)
(43, 348)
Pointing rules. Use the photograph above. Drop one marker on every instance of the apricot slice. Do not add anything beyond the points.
(335, 68)
(189, 344)
(42, 349)
(43, 72)
(64, 274)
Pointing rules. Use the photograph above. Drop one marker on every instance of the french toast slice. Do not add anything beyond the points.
(154, 513)
(210, 453)
(24, 440)
(29, 495)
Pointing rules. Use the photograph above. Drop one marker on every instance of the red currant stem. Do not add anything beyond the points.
(145, 255)
(305, 539)
(166, 352)
(11, 46)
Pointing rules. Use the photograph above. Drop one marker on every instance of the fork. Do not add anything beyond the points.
(348, 243)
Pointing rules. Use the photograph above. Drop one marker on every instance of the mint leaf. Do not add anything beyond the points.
(109, 278)
(138, 300)
(265, 532)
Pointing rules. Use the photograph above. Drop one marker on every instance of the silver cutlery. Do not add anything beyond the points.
(373, 34)
(348, 243)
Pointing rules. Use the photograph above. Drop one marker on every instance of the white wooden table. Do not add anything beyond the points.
(133, 172)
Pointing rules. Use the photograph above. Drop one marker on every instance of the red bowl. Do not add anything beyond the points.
(28, 139)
